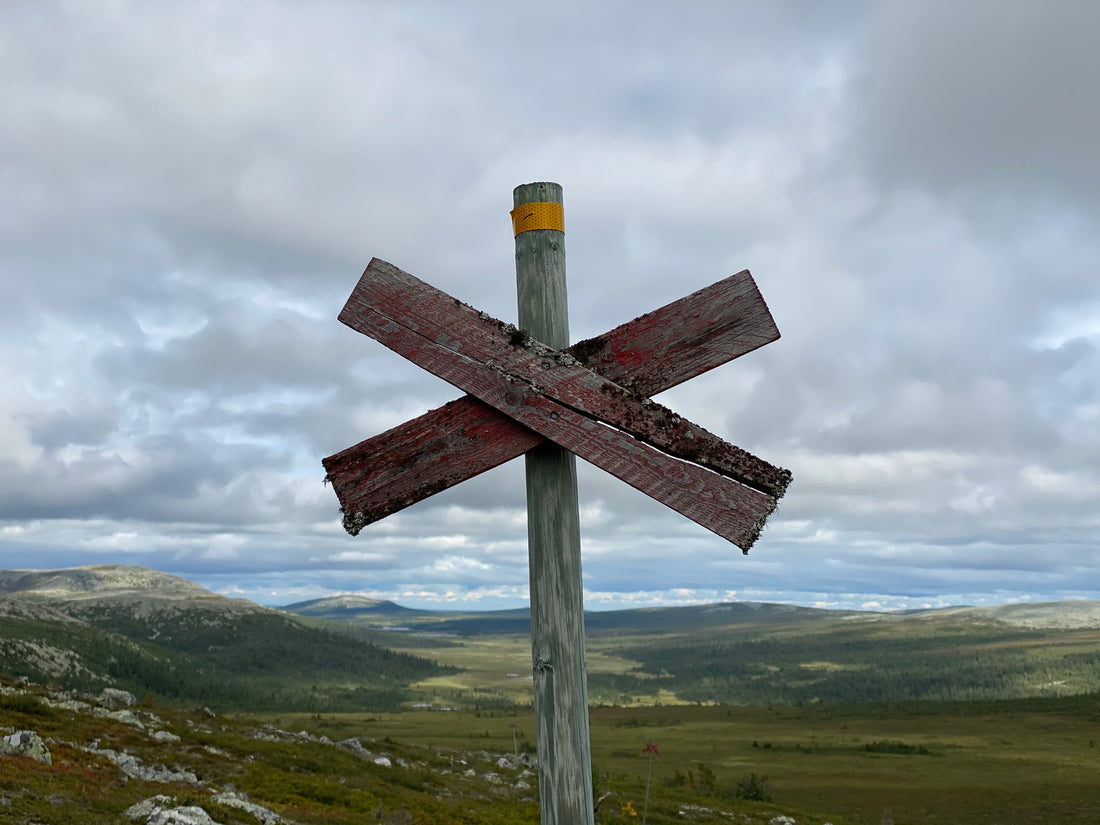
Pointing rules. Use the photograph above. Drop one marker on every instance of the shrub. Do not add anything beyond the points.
(755, 788)
(704, 781)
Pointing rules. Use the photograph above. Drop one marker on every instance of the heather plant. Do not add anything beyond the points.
(755, 788)
(702, 779)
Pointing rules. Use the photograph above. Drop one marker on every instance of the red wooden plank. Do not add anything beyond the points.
(438, 317)
(683, 339)
(406, 464)
(454, 342)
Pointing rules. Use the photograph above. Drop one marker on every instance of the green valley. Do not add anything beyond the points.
(761, 712)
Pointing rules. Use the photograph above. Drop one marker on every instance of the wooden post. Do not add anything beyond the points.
(554, 545)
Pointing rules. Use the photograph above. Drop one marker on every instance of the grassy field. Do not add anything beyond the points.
(499, 668)
(1021, 762)
(778, 661)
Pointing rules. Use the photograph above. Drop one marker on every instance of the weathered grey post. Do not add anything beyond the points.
(553, 532)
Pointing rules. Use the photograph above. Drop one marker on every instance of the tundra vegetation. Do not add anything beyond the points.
(981, 762)
(764, 713)
(1018, 761)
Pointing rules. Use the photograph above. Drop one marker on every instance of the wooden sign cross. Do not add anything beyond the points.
(591, 398)
(529, 393)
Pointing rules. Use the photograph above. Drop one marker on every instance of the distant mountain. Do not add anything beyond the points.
(383, 615)
(353, 607)
(149, 632)
(1075, 613)
(97, 582)
(369, 613)
(366, 612)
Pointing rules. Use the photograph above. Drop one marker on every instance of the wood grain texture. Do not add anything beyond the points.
(383, 474)
(404, 465)
(554, 550)
(483, 357)
(681, 340)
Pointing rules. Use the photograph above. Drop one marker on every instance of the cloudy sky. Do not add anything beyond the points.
(191, 190)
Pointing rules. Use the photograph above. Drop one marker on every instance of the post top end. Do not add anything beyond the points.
(540, 192)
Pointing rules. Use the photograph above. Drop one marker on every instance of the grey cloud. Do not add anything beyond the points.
(64, 427)
(234, 353)
(156, 478)
(196, 194)
(960, 96)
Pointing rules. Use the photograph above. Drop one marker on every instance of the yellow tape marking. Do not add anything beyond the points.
(540, 215)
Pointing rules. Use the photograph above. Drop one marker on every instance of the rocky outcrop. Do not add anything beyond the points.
(26, 743)
(45, 658)
(136, 769)
(158, 811)
(163, 810)
(239, 800)
(116, 699)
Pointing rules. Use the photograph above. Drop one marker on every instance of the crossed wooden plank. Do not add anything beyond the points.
(591, 399)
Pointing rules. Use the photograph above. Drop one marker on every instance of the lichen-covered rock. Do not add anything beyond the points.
(237, 800)
(26, 743)
(134, 768)
(165, 736)
(158, 810)
(116, 699)
(69, 704)
(145, 808)
(189, 815)
(126, 717)
(356, 747)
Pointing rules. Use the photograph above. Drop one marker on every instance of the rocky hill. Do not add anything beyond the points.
(351, 606)
(1065, 615)
(161, 635)
(98, 582)
(359, 610)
